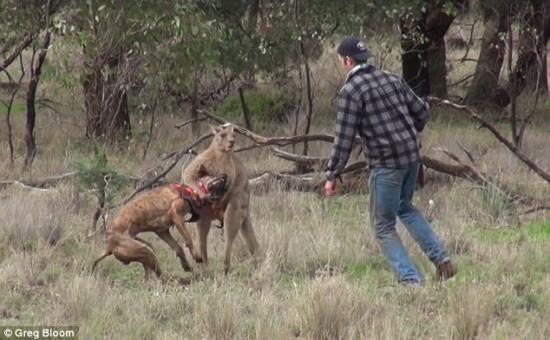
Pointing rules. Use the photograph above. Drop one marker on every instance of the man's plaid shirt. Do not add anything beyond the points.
(387, 114)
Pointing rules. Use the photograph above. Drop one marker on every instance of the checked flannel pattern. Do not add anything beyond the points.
(385, 112)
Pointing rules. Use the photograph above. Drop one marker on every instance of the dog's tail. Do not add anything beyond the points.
(107, 253)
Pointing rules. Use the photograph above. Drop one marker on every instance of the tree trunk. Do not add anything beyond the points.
(530, 71)
(253, 15)
(485, 83)
(424, 60)
(107, 114)
(438, 69)
(414, 59)
(253, 11)
(30, 101)
(437, 25)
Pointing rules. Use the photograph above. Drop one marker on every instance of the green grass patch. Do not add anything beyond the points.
(348, 207)
(51, 273)
(371, 266)
(538, 231)
(529, 302)
(469, 270)
(127, 277)
(16, 108)
(535, 231)
(494, 235)
(287, 280)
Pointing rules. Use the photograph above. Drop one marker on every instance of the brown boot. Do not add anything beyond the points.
(445, 270)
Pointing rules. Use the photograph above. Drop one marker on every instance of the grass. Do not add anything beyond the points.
(16, 108)
(320, 275)
(538, 231)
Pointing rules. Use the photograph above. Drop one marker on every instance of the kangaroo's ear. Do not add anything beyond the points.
(214, 129)
(202, 171)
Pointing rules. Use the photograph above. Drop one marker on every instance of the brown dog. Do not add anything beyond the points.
(156, 211)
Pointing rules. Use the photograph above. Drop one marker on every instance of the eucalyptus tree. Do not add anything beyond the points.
(124, 45)
(26, 24)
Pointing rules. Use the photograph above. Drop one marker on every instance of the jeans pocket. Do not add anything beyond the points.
(388, 175)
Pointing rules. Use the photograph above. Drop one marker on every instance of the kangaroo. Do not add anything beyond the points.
(219, 158)
(156, 211)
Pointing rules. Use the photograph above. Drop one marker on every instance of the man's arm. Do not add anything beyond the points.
(418, 108)
(347, 122)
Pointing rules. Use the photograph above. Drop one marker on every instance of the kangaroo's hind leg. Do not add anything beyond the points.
(233, 222)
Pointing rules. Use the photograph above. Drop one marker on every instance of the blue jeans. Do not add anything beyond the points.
(391, 193)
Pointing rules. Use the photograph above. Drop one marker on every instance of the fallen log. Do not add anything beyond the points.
(42, 183)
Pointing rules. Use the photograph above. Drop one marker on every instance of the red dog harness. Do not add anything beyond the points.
(192, 197)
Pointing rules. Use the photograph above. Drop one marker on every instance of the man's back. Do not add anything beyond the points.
(390, 116)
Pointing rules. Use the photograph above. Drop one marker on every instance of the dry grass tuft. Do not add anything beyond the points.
(472, 308)
(30, 220)
(330, 308)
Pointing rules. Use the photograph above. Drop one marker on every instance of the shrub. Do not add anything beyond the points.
(95, 174)
(264, 106)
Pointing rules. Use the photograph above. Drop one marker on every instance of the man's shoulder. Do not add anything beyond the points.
(349, 87)
(387, 75)
(375, 77)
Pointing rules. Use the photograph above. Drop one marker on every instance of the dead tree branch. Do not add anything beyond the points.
(42, 183)
(189, 121)
(174, 159)
(532, 165)
(266, 141)
(301, 160)
(151, 128)
(467, 152)
(20, 48)
(246, 112)
(536, 209)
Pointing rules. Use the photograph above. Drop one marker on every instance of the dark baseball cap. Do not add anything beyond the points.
(355, 48)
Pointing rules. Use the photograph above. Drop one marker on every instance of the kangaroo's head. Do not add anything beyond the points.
(224, 137)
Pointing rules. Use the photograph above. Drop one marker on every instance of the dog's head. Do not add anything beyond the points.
(217, 186)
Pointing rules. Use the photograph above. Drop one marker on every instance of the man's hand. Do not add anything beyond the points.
(331, 187)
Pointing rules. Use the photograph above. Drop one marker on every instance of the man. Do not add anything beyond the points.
(388, 116)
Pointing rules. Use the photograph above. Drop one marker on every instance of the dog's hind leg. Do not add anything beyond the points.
(131, 250)
(166, 237)
(148, 244)
(107, 253)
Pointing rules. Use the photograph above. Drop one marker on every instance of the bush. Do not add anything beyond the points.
(264, 106)
(95, 174)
